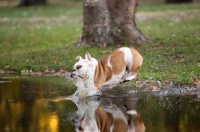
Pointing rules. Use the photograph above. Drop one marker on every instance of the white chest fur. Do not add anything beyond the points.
(86, 88)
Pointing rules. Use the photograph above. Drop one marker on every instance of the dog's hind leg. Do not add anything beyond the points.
(133, 67)
(130, 76)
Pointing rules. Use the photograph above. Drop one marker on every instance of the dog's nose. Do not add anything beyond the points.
(73, 70)
(72, 73)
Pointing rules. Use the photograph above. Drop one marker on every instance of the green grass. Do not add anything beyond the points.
(42, 11)
(42, 37)
(168, 7)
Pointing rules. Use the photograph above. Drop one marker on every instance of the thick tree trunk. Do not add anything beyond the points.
(110, 22)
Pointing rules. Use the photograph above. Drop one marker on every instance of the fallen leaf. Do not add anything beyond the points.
(153, 88)
(182, 60)
(197, 82)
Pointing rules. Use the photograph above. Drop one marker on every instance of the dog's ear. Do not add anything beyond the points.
(79, 58)
(88, 56)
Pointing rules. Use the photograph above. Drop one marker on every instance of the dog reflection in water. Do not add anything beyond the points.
(103, 115)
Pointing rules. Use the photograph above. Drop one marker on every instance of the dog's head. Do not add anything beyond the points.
(83, 68)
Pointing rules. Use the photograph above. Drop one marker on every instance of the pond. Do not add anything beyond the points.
(38, 104)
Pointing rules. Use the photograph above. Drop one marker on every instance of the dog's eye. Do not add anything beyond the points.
(78, 67)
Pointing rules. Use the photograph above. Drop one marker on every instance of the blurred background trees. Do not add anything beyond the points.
(65, 2)
(32, 2)
(178, 1)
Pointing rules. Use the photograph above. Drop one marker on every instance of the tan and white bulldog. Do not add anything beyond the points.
(93, 75)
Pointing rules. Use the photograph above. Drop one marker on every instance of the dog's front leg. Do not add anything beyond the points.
(76, 93)
(99, 93)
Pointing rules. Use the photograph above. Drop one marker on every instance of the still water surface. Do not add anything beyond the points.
(38, 104)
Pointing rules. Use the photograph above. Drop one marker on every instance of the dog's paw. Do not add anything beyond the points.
(124, 81)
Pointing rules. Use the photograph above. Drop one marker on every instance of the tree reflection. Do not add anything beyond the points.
(23, 108)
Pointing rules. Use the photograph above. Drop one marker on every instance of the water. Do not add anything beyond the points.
(35, 104)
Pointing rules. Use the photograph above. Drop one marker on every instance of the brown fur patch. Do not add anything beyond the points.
(137, 61)
(106, 120)
(120, 126)
(117, 61)
(102, 73)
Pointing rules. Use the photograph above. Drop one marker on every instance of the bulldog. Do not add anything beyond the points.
(93, 75)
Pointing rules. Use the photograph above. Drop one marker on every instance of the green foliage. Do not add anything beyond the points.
(42, 37)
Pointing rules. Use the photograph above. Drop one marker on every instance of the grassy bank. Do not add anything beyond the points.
(38, 38)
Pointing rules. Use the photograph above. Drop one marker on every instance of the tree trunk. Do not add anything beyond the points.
(108, 22)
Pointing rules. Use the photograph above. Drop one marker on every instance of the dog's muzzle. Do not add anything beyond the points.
(72, 73)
